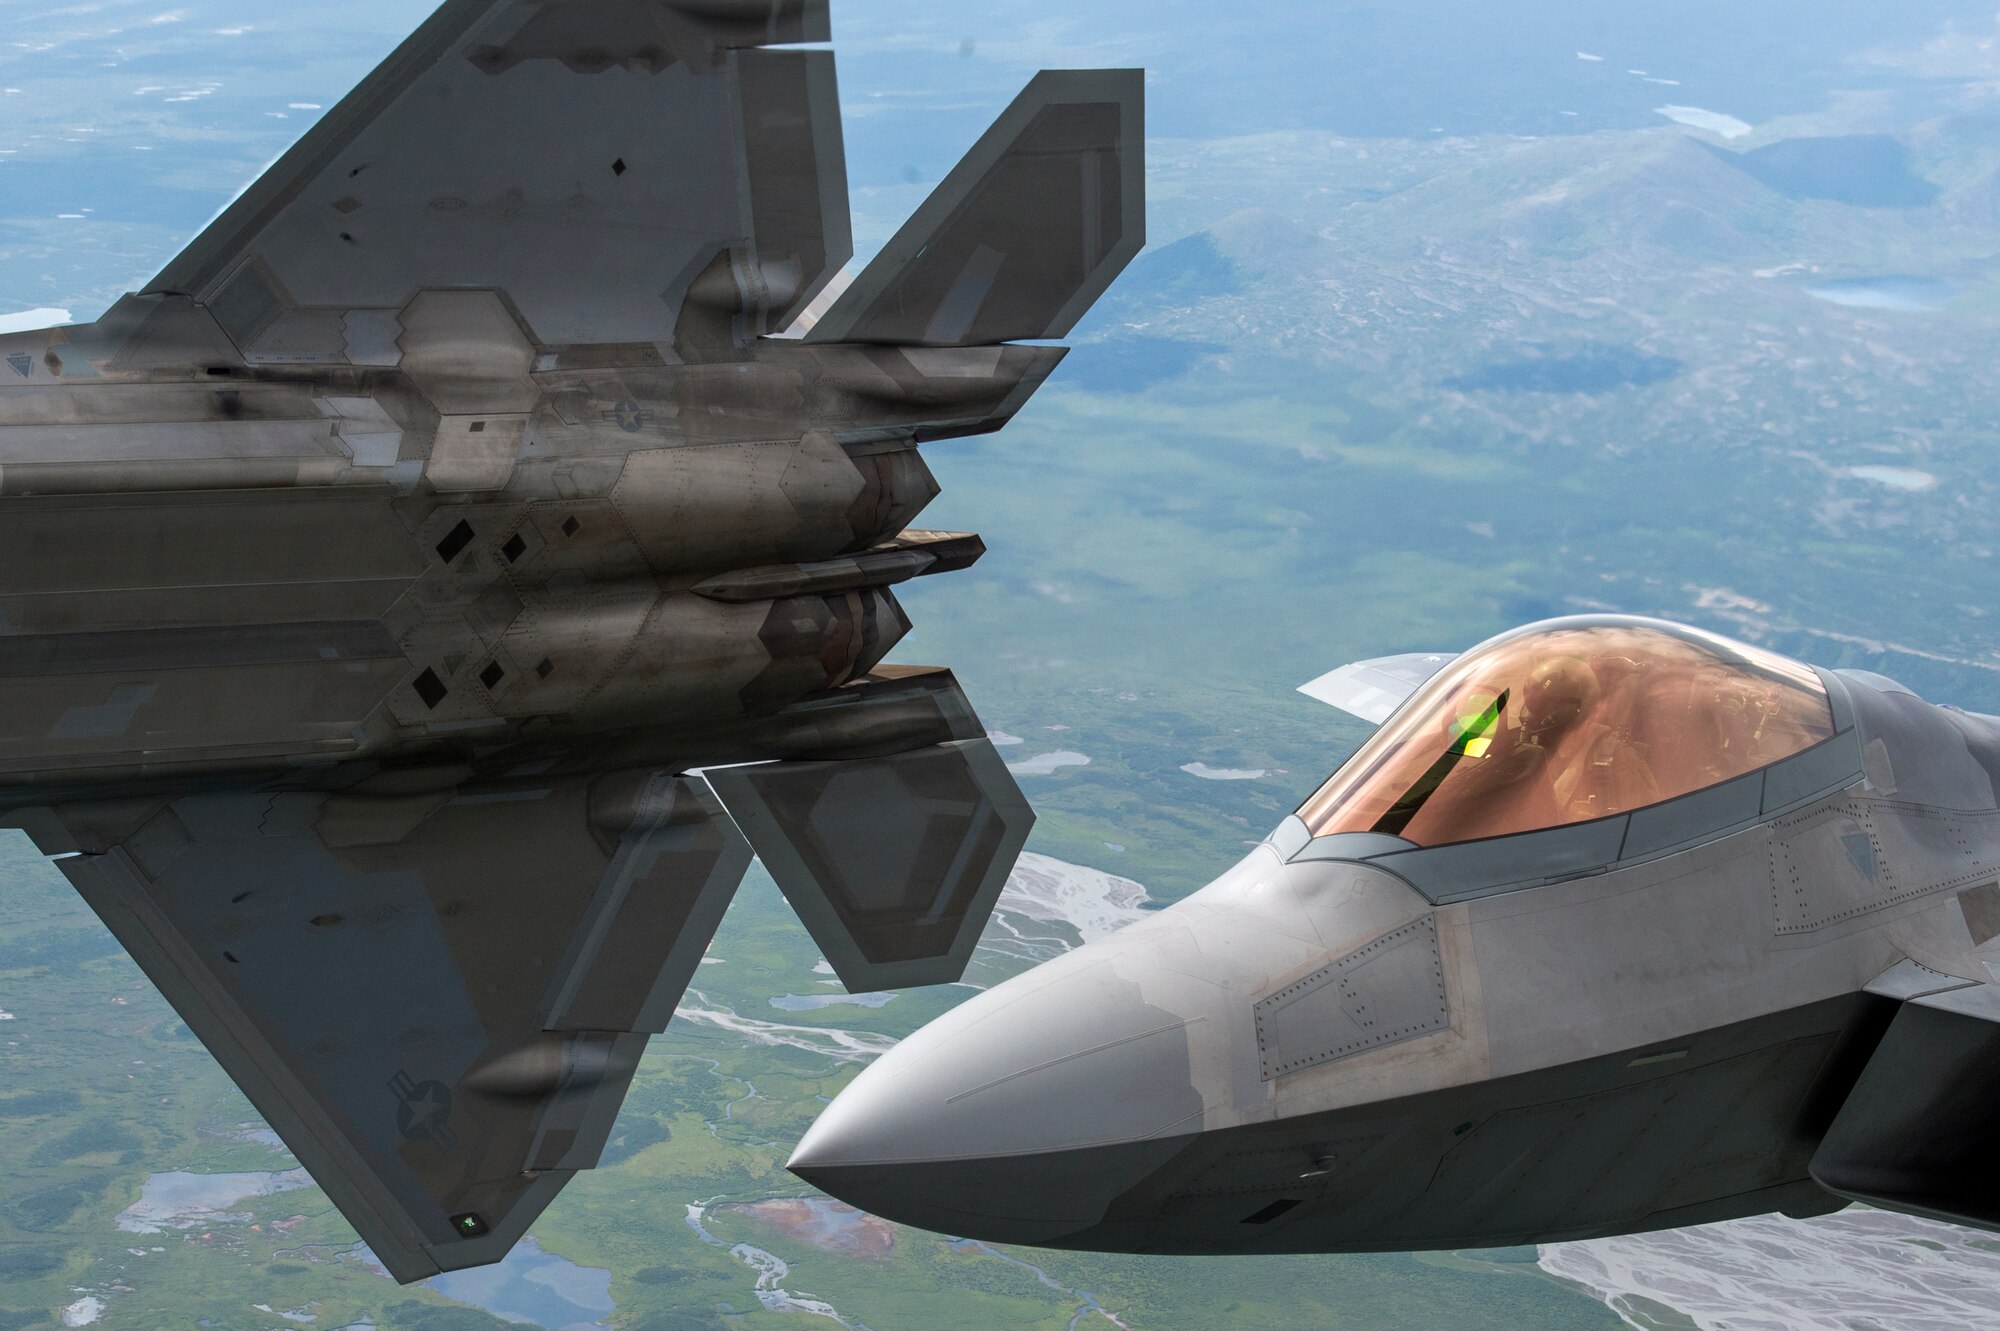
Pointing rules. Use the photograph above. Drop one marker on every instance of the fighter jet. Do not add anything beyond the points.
(375, 583)
(1613, 925)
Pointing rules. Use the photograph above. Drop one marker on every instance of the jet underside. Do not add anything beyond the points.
(376, 584)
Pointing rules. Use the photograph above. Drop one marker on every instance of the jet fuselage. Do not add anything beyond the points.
(226, 567)
(1348, 1042)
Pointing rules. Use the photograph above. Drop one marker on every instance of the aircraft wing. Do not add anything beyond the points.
(1374, 688)
(620, 169)
(435, 993)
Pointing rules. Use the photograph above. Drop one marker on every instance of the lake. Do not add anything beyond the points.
(534, 1287)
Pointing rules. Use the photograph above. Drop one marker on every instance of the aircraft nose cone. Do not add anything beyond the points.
(1018, 1116)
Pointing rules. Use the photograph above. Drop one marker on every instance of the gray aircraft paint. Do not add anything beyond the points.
(373, 577)
(1772, 994)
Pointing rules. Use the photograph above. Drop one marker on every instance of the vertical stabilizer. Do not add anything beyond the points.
(1024, 234)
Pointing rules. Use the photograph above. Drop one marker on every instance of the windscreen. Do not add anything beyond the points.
(1567, 722)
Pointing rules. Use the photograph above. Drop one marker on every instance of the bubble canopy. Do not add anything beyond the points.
(1570, 720)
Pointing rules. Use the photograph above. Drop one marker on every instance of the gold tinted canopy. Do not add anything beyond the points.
(1568, 721)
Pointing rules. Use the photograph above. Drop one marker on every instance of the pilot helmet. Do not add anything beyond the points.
(1560, 691)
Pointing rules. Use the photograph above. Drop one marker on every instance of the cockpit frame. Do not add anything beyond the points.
(1478, 866)
(1569, 721)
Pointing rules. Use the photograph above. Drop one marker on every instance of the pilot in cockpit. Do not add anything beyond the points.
(1566, 724)
(1551, 752)
(1599, 764)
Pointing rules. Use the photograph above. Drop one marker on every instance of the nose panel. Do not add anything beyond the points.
(960, 1127)
(1026, 1113)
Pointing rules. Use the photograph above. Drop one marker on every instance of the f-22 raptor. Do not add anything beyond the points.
(1613, 925)
(374, 582)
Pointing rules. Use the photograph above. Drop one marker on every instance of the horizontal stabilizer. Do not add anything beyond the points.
(893, 863)
(1024, 234)
(436, 994)
(1375, 688)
